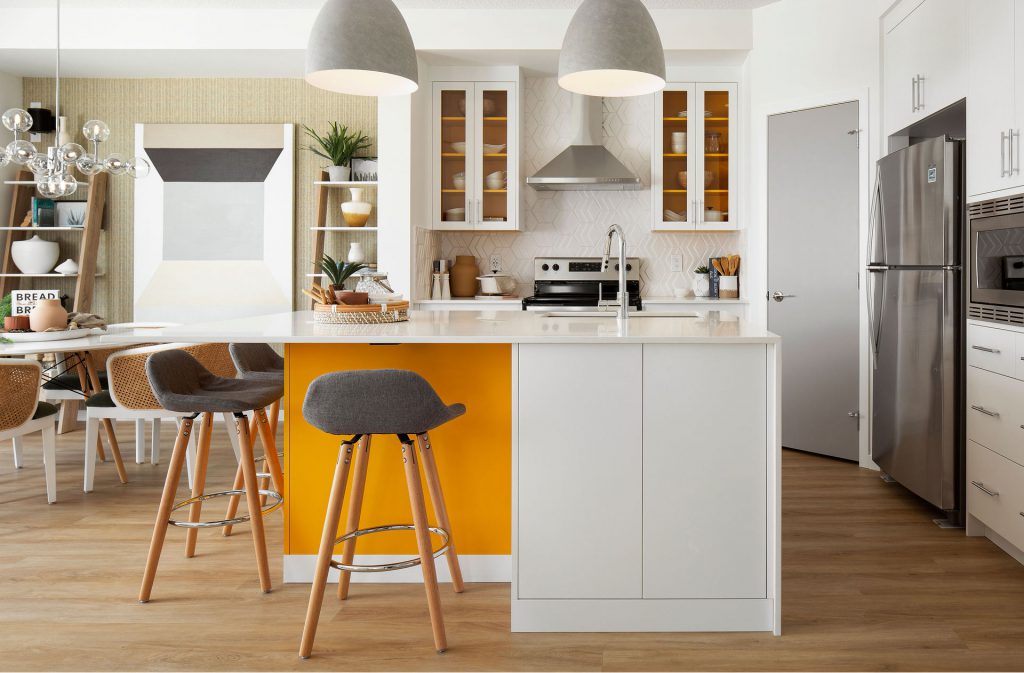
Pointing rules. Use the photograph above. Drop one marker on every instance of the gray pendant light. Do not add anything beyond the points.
(612, 48)
(362, 47)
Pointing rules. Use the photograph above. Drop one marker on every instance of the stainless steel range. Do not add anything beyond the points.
(578, 283)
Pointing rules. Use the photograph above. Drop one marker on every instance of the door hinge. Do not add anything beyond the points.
(855, 132)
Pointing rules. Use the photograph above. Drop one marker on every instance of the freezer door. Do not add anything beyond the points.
(916, 387)
(917, 220)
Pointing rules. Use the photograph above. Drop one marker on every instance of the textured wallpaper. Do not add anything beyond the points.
(574, 223)
(122, 103)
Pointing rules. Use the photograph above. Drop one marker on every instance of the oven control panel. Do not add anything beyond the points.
(582, 268)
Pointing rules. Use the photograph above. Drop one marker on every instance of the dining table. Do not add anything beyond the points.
(79, 355)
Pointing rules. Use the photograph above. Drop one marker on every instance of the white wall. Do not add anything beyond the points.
(10, 96)
(808, 53)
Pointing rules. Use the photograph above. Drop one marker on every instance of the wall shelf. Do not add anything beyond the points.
(41, 229)
(46, 275)
(343, 228)
(348, 183)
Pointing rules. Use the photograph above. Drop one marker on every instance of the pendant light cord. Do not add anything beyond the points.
(57, 101)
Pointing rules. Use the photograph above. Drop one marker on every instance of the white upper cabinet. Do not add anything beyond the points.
(693, 161)
(475, 156)
(994, 116)
(925, 61)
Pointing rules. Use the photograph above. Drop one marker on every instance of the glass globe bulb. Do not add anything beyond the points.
(96, 131)
(39, 163)
(88, 164)
(17, 120)
(47, 189)
(5, 158)
(70, 184)
(21, 151)
(57, 185)
(71, 152)
(138, 167)
(115, 164)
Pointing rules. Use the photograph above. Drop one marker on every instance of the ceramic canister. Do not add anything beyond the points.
(463, 276)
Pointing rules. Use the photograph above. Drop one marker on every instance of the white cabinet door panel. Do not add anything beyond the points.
(579, 490)
(705, 471)
(990, 93)
(995, 413)
(995, 492)
(992, 349)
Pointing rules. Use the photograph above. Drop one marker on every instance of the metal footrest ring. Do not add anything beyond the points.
(267, 509)
(266, 475)
(397, 565)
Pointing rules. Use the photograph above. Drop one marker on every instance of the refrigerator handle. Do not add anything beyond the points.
(874, 323)
(876, 221)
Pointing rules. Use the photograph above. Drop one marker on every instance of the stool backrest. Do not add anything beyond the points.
(175, 373)
(19, 391)
(129, 383)
(255, 358)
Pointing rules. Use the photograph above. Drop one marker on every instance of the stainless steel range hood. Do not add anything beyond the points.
(586, 164)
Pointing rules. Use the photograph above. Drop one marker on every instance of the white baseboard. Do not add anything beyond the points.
(641, 615)
(298, 568)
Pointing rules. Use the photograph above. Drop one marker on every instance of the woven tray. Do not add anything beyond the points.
(366, 314)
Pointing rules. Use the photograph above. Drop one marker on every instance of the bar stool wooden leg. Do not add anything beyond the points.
(163, 513)
(252, 497)
(270, 449)
(419, 518)
(199, 482)
(440, 509)
(275, 411)
(323, 559)
(233, 500)
(355, 506)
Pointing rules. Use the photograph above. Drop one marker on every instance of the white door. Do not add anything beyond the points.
(990, 97)
(813, 274)
(705, 471)
(579, 514)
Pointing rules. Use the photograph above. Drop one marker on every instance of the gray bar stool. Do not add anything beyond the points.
(183, 385)
(257, 362)
(363, 404)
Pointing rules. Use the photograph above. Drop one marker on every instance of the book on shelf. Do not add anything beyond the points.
(43, 212)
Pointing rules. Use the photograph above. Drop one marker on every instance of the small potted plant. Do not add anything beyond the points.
(338, 146)
(701, 281)
(337, 273)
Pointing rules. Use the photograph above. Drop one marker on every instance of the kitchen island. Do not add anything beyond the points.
(622, 476)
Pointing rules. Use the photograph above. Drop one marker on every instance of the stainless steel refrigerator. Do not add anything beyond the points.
(916, 320)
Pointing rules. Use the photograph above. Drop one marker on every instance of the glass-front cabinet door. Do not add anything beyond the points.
(476, 167)
(694, 155)
(716, 200)
(453, 136)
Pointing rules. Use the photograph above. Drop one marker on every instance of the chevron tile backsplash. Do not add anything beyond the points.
(574, 223)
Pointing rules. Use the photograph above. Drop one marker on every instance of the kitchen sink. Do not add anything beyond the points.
(639, 315)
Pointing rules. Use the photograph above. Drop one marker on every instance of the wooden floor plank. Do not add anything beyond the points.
(869, 583)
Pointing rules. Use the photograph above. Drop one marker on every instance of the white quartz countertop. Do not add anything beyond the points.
(465, 327)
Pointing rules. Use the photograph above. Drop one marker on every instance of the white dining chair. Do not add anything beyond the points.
(21, 413)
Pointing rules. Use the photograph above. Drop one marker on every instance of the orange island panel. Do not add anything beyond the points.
(473, 452)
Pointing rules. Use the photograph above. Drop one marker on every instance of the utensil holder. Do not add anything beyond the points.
(729, 287)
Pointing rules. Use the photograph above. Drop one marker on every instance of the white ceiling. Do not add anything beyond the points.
(404, 4)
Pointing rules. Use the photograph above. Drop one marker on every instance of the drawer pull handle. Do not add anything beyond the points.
(985, 349)
(983, 489)
(983, 410)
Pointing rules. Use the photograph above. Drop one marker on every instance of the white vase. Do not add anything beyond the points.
(355, 253)
(35, 255)
(63, 137)
(701, 285)
(339, 173)
(356, 212)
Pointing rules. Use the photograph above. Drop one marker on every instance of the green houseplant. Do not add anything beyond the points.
(337, 146)
(337, 272)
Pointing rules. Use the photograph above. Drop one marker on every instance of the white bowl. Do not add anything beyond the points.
(459, 147)
(459, 183)
(34, 255)
(493, 149)
(673, 216)
(455, 215)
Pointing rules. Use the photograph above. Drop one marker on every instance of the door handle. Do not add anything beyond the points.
(1002, 154)
(779, 296)
(920, 93)
(986, 349)
(983, 410)
(987, 491)
(913, 94)
(1014, 152)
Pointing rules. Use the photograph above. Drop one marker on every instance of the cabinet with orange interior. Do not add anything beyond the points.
(693, 161)
(475, 156)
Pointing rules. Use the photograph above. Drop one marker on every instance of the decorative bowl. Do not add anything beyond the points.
(35, 256)
(459, 147)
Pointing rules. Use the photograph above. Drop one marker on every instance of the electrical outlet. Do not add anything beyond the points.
(495, 263)
(676, 261)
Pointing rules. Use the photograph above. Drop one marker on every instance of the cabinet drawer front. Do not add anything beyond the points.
(991, 349)
(995, 413)
(995, 492)
(1018, 357)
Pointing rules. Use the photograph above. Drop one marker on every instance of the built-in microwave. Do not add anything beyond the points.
(996, 260)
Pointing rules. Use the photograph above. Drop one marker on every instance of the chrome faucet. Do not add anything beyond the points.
(606, 259)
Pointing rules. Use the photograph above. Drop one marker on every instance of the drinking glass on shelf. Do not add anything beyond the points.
(714, 143)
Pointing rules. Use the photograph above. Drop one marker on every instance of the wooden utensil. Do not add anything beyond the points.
(717, 263)
(315, 297)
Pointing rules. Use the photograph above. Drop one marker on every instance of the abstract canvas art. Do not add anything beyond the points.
(213, 221)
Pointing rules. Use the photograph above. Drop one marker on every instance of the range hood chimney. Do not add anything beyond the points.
(586, 164)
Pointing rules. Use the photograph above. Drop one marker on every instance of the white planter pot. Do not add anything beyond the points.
(339, 173)
(35, 255)
(355, 253)
(701, 285)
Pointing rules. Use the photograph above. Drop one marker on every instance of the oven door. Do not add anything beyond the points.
(997, 259)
